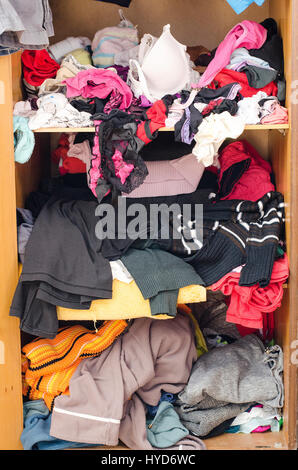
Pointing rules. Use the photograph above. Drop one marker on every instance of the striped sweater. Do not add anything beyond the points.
(48, 364)
(241, 233)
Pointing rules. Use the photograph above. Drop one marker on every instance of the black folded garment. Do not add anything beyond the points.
(63, 265)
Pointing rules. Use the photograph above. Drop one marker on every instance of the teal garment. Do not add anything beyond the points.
(24, 140)
(165, 429)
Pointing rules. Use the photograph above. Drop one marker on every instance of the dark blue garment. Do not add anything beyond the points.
(122, 3)
(4, 50)
(152, 410)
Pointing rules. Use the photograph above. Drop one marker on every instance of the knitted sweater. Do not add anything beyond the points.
(48, 364)
(241, 233)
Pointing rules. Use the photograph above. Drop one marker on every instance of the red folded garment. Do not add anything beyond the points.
(38, 66)
(226, 76)
(248, 304)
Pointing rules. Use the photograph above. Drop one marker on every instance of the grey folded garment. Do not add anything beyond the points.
(229, 379)
(259, 77)
(202, 422)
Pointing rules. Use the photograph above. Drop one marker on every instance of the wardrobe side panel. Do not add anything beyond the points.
(11, 416)
(28, 175)
(284, 159)
(192, 22)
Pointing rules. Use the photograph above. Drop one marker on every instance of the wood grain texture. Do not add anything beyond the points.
(192, 22)
(249, 127)
(11, 415)
(283, 151)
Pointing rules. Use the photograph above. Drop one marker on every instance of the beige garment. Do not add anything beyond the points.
(70, 67)
(211, 134)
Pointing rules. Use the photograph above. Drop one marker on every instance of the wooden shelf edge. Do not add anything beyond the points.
(254, 441)
(259, 127)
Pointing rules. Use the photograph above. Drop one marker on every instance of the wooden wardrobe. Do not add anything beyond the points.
(193, 22)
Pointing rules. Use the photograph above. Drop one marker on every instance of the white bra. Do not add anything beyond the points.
(163, 67)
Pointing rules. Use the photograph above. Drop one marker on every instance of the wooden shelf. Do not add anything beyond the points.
(258, 127)
(253, 441)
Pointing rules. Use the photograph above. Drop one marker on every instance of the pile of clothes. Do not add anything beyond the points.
(115, 87)
(151, 385)
(140, 215)
(222, 229)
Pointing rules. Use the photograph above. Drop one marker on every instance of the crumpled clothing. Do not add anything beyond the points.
(249, 108)
(248, 34)
(248, 303)
(27, 26)
(242, 372)
(98, 83)
(201, 422)
(151, 357)
(70, 67)
(154, 119)
(165, 429)
(24, 140)
(241, 56)
(54, 110)
(244, 174)
(226, 76)
(112, 40)
(212, 132)
(116, 163)
(37, 66)
(36, 432)
(64, 47)
(48, 364)
(278, 114)
(23, 108)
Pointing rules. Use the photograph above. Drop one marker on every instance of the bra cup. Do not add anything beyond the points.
(165, 65)
(146, 44)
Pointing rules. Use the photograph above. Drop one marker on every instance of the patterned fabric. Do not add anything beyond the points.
(48, 364)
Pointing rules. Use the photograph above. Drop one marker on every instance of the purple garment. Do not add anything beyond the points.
(248, 34)
(122, 71)
(186, 135)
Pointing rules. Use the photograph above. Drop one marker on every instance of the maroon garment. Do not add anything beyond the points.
(244, 174)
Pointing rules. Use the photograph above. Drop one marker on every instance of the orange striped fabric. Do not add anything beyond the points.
(48, 364)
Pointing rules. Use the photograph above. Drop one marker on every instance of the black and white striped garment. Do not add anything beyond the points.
(241, 233)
